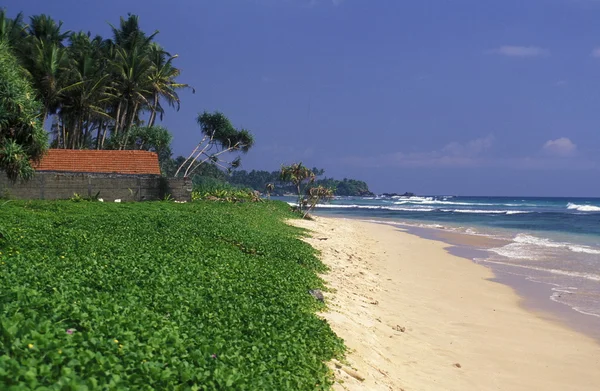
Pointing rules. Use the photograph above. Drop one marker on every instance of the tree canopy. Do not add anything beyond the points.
(259, 179)
(94, 88)
(219, 137)
(22, 137)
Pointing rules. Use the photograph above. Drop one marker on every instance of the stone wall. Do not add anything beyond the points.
(109, 187)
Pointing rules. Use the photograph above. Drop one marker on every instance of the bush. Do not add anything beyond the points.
(22, 137)
(213, 189)
(142, 296)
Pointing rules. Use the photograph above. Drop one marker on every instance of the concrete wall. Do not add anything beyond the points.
(109, 187)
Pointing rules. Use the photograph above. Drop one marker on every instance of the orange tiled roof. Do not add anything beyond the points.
(102, 161)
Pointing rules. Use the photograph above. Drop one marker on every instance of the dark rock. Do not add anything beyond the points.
(317, 294)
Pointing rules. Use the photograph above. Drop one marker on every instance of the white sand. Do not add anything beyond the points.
(384, 280)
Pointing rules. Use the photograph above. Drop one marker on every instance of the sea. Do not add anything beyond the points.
(552, 242)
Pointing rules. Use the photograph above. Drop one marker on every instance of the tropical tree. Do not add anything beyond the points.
(269, 187)
(94, 89)
(22, 138)
(314, 196)
(302, 178)
(299, 176)
(12, 31)
(163, 84)
(219, 137)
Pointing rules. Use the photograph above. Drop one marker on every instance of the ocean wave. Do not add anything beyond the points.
(483, 211)
(373, 207)
(414, 208)
(439, 202)
(587, 276)
(585, 250)
(583, 208)
(528, 247)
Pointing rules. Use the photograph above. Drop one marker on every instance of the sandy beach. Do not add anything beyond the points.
(415, 317)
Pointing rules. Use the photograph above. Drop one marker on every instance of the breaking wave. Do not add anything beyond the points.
(583, 208)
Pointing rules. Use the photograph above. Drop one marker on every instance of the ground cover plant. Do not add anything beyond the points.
(223, 191)
(196, 296)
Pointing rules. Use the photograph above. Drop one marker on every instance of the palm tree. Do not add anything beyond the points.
(47, 67)
(131, 68)
(132, 85)
(94, 85)
(297, 174)
(12, 31)
(162, 78)
(44, 28)
(45, 58)
(85, 104)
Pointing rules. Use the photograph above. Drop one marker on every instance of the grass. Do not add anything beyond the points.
(143, 296)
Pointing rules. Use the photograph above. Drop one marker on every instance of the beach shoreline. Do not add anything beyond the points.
(415, 317)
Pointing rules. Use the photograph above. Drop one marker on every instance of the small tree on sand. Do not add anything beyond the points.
(219, 138)
(269, 189)
(302, 177)
(299, 176)
(314, 195)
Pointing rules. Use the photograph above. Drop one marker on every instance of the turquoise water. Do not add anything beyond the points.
(553, 241)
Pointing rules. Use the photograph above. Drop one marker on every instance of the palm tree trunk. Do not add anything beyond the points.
(128, 131)
(104, 136)
(154, 107)
(100, 130)
(64, 135)
(116, 119)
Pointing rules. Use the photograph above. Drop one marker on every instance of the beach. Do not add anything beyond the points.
(415, 317)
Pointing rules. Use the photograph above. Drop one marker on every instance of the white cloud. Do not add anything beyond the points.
(561, 83)
(453, 154)
(595, 53)
(474, 153)
(520, 51)
(560, 147)
(471, 148)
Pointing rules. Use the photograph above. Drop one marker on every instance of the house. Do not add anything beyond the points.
(110, 175)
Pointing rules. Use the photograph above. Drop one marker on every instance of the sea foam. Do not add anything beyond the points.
(583, 208)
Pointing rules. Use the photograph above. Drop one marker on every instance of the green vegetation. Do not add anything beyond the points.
(21, 135)
(219, 137)
(308, 195)
(213, 190)
(107, 93)
(92, 87)
(258, 180)
(197, 296)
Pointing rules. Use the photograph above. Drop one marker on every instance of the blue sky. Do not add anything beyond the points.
(459, 97)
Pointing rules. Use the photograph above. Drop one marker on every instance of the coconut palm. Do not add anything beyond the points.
(163, 84)
(12, 31)
(45, 58)
(91, 85)
(132, 85)
(45, 29)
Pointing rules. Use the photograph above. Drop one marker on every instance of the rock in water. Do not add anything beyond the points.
(317, 294)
